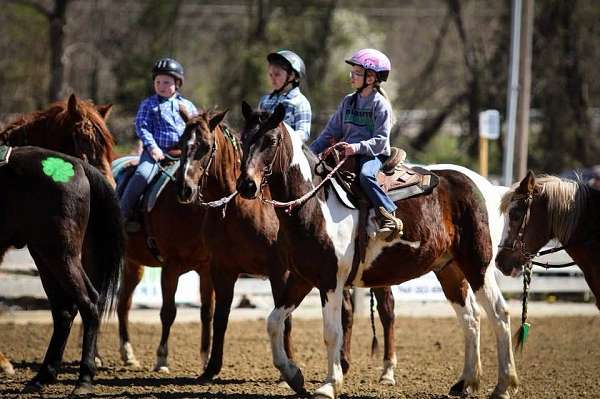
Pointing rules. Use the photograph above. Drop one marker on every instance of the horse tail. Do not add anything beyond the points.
(105, 238)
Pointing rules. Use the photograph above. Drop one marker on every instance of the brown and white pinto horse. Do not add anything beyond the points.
(539, 209)
(446, 231)
(210, 164)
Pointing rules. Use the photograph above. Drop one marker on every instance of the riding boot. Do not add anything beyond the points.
(390, 227)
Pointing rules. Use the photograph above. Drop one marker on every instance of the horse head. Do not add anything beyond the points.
(260, 142)
(526, 225)
(198, 149)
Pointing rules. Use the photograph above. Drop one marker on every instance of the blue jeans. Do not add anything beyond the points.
(144, 173)
(369, 166)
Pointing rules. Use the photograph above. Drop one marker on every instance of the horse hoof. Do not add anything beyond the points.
(499, 395)
(162, 369)
(83, 389)
(297, 383)
(458, 389)
(387, 381)
(32, 387)
(206, 378)
(327, 391)
(133, 363)
(7, 368)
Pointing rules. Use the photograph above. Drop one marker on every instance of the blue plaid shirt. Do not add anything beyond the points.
(158, 123)
(297, 110)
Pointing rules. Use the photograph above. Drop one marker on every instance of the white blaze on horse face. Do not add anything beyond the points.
(505, 230)
(298, 158)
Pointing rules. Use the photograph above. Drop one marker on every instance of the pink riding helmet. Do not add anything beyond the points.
(374, 60)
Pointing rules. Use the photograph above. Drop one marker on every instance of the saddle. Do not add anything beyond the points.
(396, 179)
(123, 168)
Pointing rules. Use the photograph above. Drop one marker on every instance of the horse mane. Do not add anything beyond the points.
(566, 201)
(54, 120)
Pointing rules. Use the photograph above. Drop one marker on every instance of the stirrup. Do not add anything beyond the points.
(391, 227)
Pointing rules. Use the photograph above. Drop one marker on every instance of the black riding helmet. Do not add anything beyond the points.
(168, 66)
(289, 61)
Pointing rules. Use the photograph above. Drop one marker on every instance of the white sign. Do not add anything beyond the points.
(489, 124)
(424, 288)
(148, 292)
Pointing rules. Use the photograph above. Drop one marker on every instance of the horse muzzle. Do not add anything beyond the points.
(508, 263)
(247, 188)
(187, 195)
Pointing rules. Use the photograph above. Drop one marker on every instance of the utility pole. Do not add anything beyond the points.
(524, 99)
(512, 93)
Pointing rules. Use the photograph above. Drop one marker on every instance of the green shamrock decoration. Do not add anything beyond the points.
(58, 169)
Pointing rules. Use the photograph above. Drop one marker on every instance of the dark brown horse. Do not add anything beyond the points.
(446, 231)
(74, 127)
(539, 209)
(63, 210)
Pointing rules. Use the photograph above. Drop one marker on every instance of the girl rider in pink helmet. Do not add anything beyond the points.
(361, 126)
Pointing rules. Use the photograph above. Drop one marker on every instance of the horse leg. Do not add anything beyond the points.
(296, 288)
(458, 292)
(591, 272)
(385, 308)
(333, 335)
(207, 308)
(63, 312)
(130, 278)
(223, 284)
(347, 322)
(5, 365)
(169, 279)
(490, 297)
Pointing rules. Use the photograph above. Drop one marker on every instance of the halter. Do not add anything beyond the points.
(199, 188)
(519, 244)
(290, 205)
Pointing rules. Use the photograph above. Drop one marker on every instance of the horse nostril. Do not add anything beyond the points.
(247, 188)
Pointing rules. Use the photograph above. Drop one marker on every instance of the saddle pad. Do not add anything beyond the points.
(156, 186)
(4, 154)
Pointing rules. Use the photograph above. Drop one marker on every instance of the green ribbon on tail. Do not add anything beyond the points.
(58, 169)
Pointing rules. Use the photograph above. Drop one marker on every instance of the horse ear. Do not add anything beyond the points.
(215, 120)
(246, 110)
(72, 106)
(185, 115)
(528, 183)
(276, 117)
(104, 110)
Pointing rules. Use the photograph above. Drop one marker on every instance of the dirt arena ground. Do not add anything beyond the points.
(561, 360)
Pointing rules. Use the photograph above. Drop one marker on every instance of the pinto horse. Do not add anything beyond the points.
(210, 164)
(74, 127)
(63, 210)
(447, 233)
(539, 209)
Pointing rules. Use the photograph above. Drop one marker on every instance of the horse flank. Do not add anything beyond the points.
(566, 201)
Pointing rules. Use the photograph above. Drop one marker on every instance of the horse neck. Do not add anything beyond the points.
(588, 222)
(28, 131)
(224, 172)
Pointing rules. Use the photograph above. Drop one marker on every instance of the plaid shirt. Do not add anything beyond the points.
(158, 123)
(297, 110)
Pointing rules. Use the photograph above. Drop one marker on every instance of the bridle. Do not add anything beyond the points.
(518, 243)
(199, 188)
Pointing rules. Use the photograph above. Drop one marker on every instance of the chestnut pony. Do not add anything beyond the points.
(446, 231)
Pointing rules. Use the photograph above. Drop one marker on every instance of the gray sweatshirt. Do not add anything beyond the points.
(366, 126)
